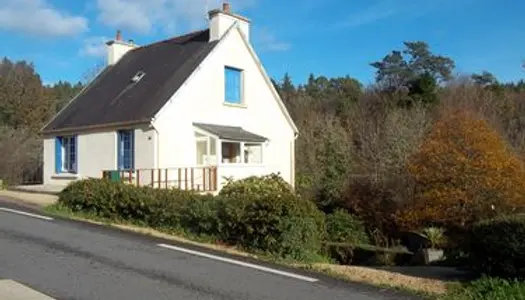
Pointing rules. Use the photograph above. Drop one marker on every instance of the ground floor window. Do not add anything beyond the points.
(126, 150)
(231, 153)
(252, 153)
(66, 154)
(238, 152)
(206, 151)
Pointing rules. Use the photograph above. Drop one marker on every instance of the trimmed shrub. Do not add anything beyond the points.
(343, 227)
(198, 215)
(497, 246)
(488, 288)
(263, 213)
(287, 225)
(259, 213)
(169, 209)
(253, 187)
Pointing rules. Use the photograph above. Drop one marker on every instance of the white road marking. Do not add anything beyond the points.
(19, 212)
(239, 263)
(13, 290)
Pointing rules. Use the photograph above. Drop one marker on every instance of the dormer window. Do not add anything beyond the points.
(138, 76)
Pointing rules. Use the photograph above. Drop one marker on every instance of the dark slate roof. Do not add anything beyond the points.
(232, 133)
(112, 98)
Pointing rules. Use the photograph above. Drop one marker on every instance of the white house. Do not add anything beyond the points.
(186, 112)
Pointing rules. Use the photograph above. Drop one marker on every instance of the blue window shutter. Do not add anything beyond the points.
(132, 150)
(119, 150)
(75, 161)
(58, 155)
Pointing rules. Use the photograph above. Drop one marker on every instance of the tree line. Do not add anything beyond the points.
(358, 145)
(26, 105)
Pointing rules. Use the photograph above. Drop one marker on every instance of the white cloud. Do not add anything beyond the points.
(268, 41)
(94, 46)
(37, 17)
(142, 16)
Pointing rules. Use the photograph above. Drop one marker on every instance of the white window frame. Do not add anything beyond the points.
(66, 159)
(242, 149)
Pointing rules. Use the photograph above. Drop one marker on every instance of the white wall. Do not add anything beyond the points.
(201, 99)
(117, 50)
(220, 23)
(97, 151)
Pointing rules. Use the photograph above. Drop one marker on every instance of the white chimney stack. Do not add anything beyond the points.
(117, 48)
(222, 20)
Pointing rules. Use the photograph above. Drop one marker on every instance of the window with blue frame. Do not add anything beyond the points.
(66, 154)
(233, 85)
(126, 150)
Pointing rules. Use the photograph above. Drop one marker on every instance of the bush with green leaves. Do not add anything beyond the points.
(257, 186)
(263, 213)
(258, 213)
(159, 208)
(488, 288)
(343, 227)
(497, 246)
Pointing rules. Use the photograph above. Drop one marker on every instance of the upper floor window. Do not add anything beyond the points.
(66, 154)
(126, 150)
(233, 85)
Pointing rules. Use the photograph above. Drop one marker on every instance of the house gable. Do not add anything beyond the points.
(202, 100)
(188, 88)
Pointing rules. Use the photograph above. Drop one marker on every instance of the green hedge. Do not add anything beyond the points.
(497, 246)
(368, 255)
(259, 213)
(343, 227)
(263, 213)
(488, 288)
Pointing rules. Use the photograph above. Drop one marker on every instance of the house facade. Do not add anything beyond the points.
(186, 112)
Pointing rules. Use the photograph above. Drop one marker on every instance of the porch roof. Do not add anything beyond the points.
(233, 133)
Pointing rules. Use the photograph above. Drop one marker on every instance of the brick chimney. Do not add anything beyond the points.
(226, 7)
(117, 48)
(220, 21)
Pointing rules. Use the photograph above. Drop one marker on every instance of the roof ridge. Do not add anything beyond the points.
(196, 32)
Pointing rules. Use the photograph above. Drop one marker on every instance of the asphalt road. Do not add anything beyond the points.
(73, 260)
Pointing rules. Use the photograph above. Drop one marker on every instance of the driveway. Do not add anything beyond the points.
(66, 259)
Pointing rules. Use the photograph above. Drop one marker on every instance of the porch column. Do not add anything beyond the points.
(242, 152)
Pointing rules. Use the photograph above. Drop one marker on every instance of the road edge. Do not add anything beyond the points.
(136, 232)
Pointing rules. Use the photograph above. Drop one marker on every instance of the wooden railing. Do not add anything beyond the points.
(201, 179)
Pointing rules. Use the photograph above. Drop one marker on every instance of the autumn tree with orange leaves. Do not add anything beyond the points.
(463, 172)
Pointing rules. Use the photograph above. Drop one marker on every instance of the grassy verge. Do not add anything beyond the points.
(428, 288)
(169, 234)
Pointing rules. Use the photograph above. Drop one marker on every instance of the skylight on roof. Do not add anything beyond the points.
(138, 76)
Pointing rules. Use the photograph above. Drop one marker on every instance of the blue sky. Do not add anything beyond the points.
(65, 38)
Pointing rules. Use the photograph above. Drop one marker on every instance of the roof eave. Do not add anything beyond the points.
(80, 129)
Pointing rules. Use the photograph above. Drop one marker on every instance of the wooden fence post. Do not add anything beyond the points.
(186, 178)
(152, 178)
(204, 179)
